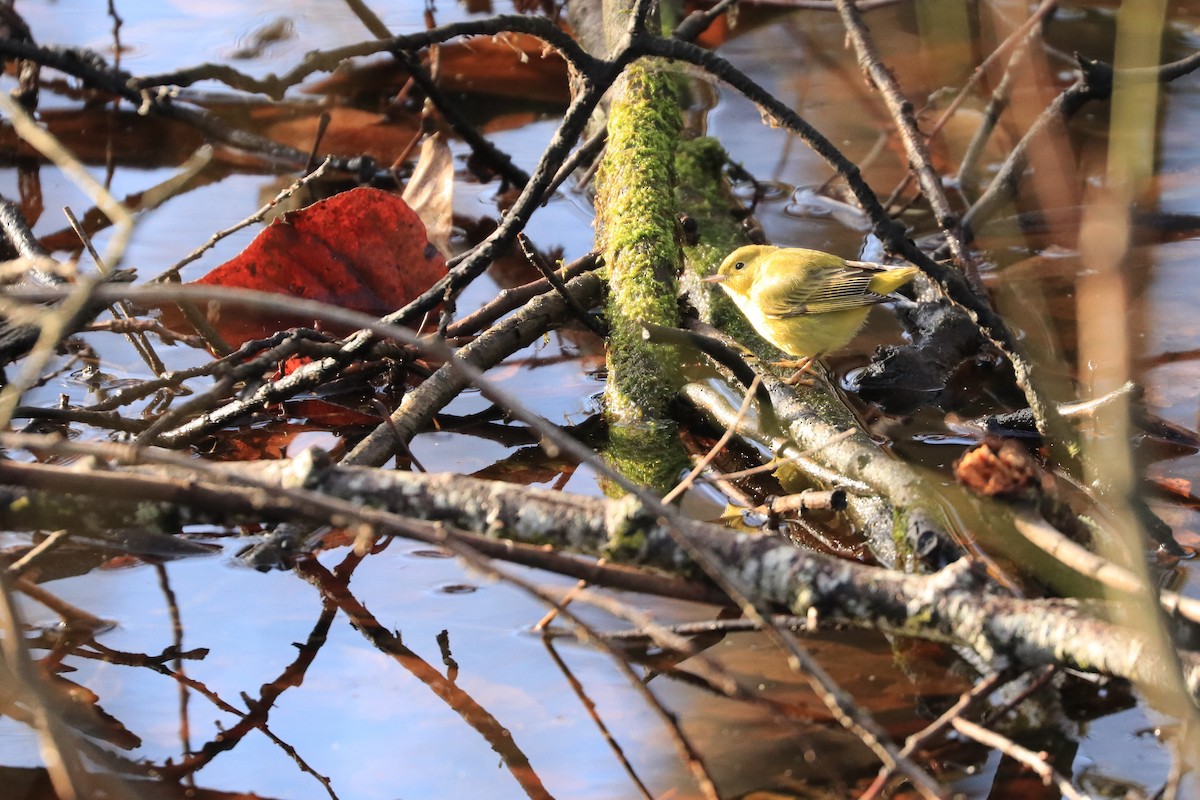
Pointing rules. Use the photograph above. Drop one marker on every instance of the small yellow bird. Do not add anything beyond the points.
(805, 302)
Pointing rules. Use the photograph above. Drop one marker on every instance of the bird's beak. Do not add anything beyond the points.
(713, 279)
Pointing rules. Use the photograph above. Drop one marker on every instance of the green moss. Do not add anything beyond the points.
(648, 453)
(919, 623)
(904, 551)
(703, 195)
(636, 234)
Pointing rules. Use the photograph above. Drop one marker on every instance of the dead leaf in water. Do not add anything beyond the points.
(364, 249)
(513, 65)
(430, 190)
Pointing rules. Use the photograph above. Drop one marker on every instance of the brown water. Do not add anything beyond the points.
(376, 724)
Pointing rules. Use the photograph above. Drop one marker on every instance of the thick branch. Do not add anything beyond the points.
(953, 605)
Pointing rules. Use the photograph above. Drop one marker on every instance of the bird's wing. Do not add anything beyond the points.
(822, 289)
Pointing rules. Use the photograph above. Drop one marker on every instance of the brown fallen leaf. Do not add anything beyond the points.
(512, 65)
(430, 190)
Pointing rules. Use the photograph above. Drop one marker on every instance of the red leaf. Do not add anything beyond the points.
(363, 249)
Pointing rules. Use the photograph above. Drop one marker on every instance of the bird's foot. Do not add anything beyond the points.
(803, 369)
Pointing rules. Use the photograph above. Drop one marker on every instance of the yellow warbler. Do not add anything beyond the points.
(805, 302)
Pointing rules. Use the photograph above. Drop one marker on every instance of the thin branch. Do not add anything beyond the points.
(172, 272)
(22, 565)
(121, 311)
(555, 280)
(1035, 761)
(499, 160)
(327, 60)
(918, 740)
(718, 446)
(471, 265)
(509, 300)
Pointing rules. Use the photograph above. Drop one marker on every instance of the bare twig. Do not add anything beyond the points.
(22, 565)
(1035, 761)
(172, 272)
(555, 280)
(120, 310)
(1095, 83)
(918, 740)
(419, 405)
(715, 450)
(509, 300)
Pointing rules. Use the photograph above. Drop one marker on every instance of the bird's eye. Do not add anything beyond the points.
(739, 265)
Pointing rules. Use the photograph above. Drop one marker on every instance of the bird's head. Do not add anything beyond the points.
(737, 271)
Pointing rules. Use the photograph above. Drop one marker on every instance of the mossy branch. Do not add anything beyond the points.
(635, 221)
